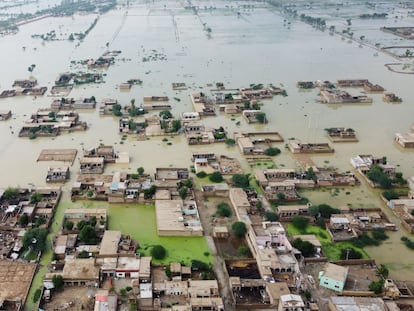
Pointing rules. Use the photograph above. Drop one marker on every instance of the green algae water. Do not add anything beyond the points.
(139, 222)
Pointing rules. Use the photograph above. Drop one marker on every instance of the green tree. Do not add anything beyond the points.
(272, 151)
(230, 142)
(183, 192)
(383, 271)
(215, 177)
(35, 238)
(57, 281)
(281, 196)
(224, 210)
(88, 235)
(243, 251)
(83, 254)
(239, 228)
(350, 253)
(23, 220)
(80, 225)
(168, 271)
(326, 211)
(306, 248)
(199, 265)
(92, 221)
(52, 114)
(10, 193)
(377, 175)
(165, 115)
(132, 125)
(313, 211)
(240, 180)
(176, 125)
(158, 252)
(300, 222)
(376, 286)
(140, 170)
(71, 37)
(201, 174)
(320, 222)
(116, 110)
(186, 183)
(39, 221)
(37, 295)
(68, 225)
(379, 235)
(261, 117)
(270, 216)
(390, 195)
(149, 193)
(311, 175)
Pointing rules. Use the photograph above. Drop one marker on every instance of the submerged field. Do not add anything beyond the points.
(139, 222)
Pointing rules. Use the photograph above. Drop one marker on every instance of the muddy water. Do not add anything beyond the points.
(257, 47)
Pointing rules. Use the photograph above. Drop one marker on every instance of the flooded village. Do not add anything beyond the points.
(209, 155)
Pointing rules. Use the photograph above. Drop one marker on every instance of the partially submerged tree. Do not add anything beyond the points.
(158, 252)
(216, 177)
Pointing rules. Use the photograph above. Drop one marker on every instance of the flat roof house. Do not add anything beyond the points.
(291, 302)
(333, 277)
(405, 140)
(80, 271)
(92, 165)
(110, 242)
(246, 145)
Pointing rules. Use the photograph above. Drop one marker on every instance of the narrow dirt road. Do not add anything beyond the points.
(218, 263)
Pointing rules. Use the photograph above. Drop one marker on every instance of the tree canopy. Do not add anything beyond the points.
(165, 114)
(35, 238)
(239, 228)
(270, 216)
(272, 151)
(306, 248)
(240, 180)
(215, 177)
(300, 222)
(87, 234)
(224, 210)
(158, 252)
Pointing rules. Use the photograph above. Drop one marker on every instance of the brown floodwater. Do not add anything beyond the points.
(257, 48)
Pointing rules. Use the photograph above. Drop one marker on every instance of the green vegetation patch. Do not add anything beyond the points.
(139, 222)
(330, 249)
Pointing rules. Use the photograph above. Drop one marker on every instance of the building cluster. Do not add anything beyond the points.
(24, 87)
(330, 93)
(49, 123)
(22, 209)
(364, 163)
(403, 208)
(208, 162)
(341, 134)
(284, 182)
(114, 259)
